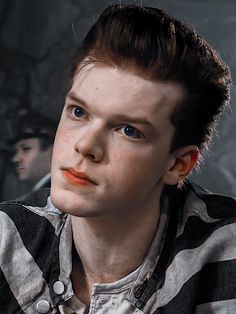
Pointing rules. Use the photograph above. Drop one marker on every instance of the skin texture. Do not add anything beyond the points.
(115, 129)
(95, 144)
(31, 163)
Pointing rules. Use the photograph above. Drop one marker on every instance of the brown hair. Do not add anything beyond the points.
(162, 48)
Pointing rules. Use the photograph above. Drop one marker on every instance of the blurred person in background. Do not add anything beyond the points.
(32, 145)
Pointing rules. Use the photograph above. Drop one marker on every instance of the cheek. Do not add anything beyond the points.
(62, 141)
(137, 167)
(30, 160)
(132, 165)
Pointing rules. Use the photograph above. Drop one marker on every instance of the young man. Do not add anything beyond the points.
(121, 231)
(33, 144)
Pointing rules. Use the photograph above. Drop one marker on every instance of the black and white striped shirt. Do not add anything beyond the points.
(190, 267)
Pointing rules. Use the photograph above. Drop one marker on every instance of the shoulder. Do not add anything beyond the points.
(34, 199)
(29, 248)
(31, 217)
(202, 254)
(198, 217)
(211, 209)
(206, 244)
(206, 219)
(217, 205)
(24, 210)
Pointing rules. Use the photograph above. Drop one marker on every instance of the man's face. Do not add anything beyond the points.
(31, 163)
(112, 145)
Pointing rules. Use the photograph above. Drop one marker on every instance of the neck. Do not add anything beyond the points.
(107, 250)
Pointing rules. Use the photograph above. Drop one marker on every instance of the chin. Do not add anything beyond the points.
(21, 177)
(59, 199)
(65, 201)
(70, 203)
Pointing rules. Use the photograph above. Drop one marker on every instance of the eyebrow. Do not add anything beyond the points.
(20, 146)
(77, 99)
(118, 117)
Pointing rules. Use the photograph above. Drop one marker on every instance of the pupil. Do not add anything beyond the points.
(129, 131)
(78, 112)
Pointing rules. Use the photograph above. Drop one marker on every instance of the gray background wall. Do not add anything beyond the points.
(36, 41)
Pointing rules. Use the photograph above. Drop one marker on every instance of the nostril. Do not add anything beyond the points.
(92, 157)
(90, 149)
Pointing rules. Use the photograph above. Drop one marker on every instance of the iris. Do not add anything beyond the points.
(131, 131)
(78, 112)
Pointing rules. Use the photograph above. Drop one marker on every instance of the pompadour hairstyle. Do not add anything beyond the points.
(159, 47)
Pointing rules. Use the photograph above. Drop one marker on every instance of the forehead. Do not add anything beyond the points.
(112, 88)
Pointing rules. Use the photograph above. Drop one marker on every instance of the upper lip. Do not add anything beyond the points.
(18, 167)
(79, 174)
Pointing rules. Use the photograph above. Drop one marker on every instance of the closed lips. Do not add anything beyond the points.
(80, 176)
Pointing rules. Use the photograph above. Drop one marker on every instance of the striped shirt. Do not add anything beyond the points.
(190, 266)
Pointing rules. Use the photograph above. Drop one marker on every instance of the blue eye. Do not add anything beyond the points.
(131, 132)
(78, 112)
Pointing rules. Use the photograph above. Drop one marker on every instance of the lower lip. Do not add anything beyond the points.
(20, 170)
(75, 180)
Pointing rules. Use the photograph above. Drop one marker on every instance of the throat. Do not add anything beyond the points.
(81, 287)
(105, 257)
(83, 280)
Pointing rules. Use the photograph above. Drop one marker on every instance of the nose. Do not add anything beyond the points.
(17, 157)
(91, 144)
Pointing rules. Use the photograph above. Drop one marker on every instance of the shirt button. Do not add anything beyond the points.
(58, 287)
(43, 306)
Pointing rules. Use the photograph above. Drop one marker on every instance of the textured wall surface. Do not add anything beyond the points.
(36, 43)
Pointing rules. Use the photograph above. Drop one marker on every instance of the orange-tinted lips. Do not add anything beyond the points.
(76, 177)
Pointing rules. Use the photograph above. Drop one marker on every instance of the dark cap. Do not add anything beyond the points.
(32, 125)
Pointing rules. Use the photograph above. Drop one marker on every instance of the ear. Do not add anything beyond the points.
(182, 162)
